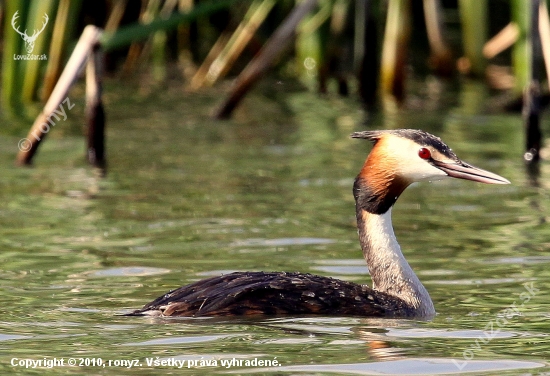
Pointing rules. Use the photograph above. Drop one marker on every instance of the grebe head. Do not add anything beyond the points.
(404, 156)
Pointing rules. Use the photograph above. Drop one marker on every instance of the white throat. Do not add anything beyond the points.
(389, 270)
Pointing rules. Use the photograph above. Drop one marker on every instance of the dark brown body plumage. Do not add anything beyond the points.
(274, 293)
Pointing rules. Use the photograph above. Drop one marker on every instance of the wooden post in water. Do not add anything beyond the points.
(531, 99)
(95, 113)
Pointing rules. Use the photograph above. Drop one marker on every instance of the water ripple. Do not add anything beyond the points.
(418, 366)
(177, 340)
(281, 242)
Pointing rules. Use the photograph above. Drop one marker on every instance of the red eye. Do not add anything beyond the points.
(424, 153)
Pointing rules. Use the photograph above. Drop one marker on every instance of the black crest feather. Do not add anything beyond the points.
(420, 137)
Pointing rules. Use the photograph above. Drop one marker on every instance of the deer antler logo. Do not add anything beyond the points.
(29, 40)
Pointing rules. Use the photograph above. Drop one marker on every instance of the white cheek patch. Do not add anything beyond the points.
(408, 162)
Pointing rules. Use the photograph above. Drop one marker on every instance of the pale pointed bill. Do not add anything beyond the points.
(462, 170)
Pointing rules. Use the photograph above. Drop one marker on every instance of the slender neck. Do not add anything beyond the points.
(389, 270)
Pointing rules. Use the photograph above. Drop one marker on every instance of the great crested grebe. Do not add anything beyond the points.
(398, 158)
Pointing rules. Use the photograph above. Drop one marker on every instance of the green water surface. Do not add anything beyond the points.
(187, 197)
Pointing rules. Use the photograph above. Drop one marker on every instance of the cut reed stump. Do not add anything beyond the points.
(531, 99)
(95, 113)
(89, 48)
(59, 103)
